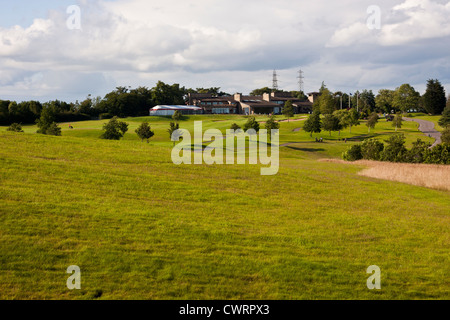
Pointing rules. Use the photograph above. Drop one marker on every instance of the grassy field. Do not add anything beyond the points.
(140, 227)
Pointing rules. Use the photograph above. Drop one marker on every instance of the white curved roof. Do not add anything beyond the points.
(175, 107)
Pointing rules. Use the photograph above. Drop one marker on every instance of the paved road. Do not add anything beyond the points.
(427, 127)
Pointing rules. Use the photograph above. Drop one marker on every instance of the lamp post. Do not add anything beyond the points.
(357, 101)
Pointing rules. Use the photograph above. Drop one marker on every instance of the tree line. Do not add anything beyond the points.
(121, 102)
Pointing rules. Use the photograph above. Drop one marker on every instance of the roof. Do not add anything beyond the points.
(175, 107)
(259, 103)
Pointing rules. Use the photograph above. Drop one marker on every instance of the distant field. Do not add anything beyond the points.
(140, 227)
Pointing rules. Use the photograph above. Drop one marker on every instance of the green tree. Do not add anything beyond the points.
(288, 110)
(398, 121)
(235, 127)
(384, 100)
(165, 94)
(367, 101)
(331, 123)
(144, 131)
(344, 118)
(177, 116)
(15, 127)
(434, 98)
(48, 115)
(261, 91)
(353, 119)
(354, 153)
(251, 124)
(372, 121)
(313, 124)
(327, 103)
(53, 130)
(395, 150)
(445, 137)
(405, 98)
(439, 154)
(371, 149)
(174, 128)
(271, 124)
(444, 121)
(114, 129)
(418, 152)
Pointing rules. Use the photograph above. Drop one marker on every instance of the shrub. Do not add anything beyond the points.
(15, 127)
(177, 116)
(440, 154)
(417, 153)
(371, 149)
(235, 127)
(445, 137)
(353, 153)
(114, 129)
(395, 151)
(53, 130)
(251, 124)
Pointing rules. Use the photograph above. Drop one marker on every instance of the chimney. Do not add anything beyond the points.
(238, 96)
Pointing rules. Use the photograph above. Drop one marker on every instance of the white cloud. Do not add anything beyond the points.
(410, 21)
(233, 44)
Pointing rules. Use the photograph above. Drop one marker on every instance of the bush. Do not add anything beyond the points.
(177, 116)
(440, 154)
(371, 149)
(53, 130)
(251, 124)
(15, 127)
(445, 137)
(417, 153)
(354, 153)
(235, 127)
(395, 151)
(114, 129)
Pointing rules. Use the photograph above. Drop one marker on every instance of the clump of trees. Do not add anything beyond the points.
(395, 151)
(15, 127)
(46, 123)
(114, 129)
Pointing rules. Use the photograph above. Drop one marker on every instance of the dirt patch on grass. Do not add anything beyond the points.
(423, 175)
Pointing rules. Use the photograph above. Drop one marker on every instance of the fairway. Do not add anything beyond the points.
(140, 227)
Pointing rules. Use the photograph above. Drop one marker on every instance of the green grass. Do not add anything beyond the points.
(140, 227)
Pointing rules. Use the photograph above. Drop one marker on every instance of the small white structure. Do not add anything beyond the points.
(170, 110)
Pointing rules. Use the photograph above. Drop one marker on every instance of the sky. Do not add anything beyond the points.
(49, 50)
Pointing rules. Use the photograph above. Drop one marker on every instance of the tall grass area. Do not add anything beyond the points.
(140, 227)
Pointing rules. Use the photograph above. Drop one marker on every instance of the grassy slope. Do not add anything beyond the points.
(142, 228)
